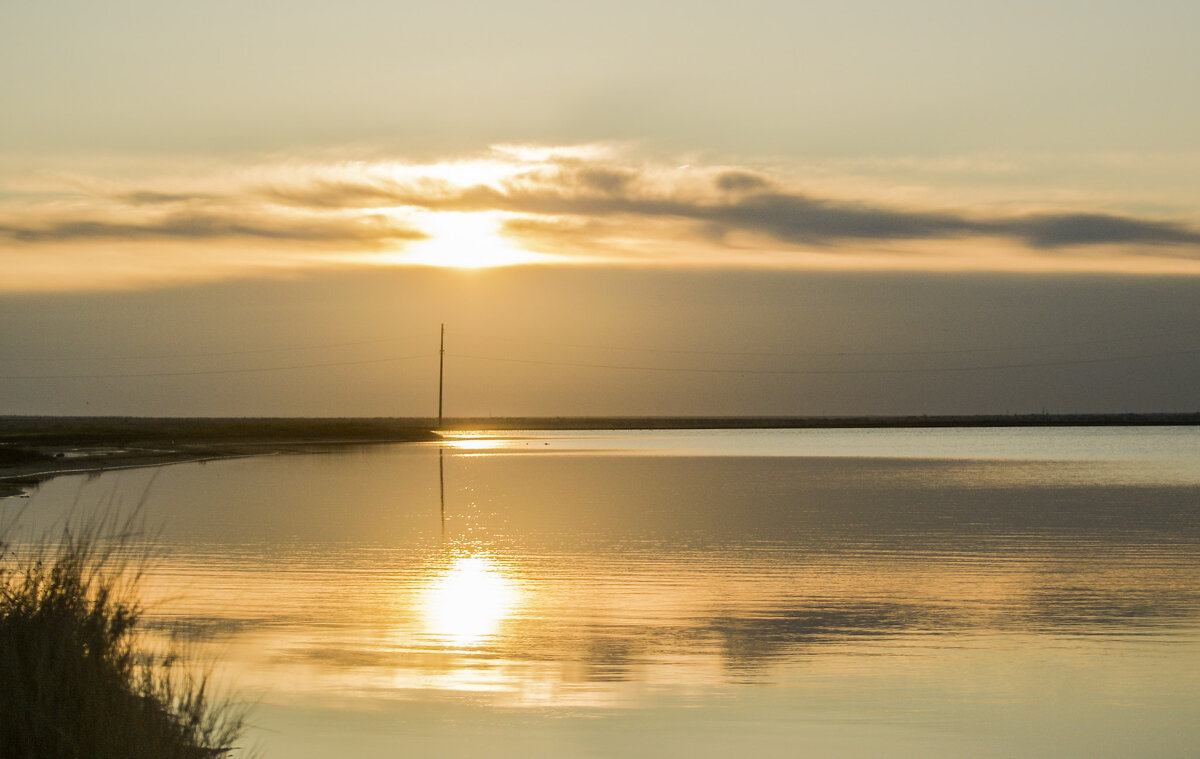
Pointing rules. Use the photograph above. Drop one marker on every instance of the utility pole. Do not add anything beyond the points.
(441, 370)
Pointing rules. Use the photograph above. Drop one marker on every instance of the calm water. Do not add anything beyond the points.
(786, 593)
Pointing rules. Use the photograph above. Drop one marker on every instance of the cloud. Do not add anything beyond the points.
(368, 231)
(800, 219)
(150, 197)
(805, 220)
(720, 202)
(582, 205)
(1062, 230)
(741, 181)
(341, 194)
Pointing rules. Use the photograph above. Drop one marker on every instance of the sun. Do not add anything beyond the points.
(465, 240)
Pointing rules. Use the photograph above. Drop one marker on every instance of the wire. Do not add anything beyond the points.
(625, 367)
(828, 354)
(247, 352)
(214, 371)
(669, 351)
(911, 370)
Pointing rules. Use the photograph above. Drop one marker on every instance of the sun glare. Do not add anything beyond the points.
(465, 241)
(469, 601)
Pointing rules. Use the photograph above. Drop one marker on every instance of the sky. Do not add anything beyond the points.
(767, 208)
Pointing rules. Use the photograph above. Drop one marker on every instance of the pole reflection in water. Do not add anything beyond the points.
(466, 603)
(442, 486)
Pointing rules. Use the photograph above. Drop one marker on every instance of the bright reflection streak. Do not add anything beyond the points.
(468, 602)
(475, 442)
(475, 445)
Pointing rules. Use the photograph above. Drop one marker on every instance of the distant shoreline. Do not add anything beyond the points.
(819, 422)
(36, 448)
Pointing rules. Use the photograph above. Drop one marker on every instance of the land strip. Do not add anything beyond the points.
(817, 422)
(35, 448)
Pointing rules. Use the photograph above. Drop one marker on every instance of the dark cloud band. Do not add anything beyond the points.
(363, 231)
(576, 195)
(750, 203)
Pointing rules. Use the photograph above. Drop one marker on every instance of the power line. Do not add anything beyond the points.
(200, 372)
(836, 354)
(798, 372)
(628, 348)
(211, 354)
(625, 367)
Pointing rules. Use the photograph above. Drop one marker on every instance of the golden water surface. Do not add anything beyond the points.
(791, 593)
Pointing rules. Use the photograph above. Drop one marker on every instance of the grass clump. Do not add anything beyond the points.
(75, 679)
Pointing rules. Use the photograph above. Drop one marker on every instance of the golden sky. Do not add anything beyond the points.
(936, 176)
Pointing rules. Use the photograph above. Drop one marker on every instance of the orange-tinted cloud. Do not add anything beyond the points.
(575, 205)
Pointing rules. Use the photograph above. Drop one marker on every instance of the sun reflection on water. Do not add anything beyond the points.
(467, 603)
(473, 442)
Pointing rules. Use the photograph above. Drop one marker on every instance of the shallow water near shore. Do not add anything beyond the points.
(937, 592)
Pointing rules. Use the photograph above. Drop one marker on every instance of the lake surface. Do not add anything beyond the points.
(848, 593)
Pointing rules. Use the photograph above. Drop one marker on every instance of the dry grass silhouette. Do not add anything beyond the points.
(76, 677)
